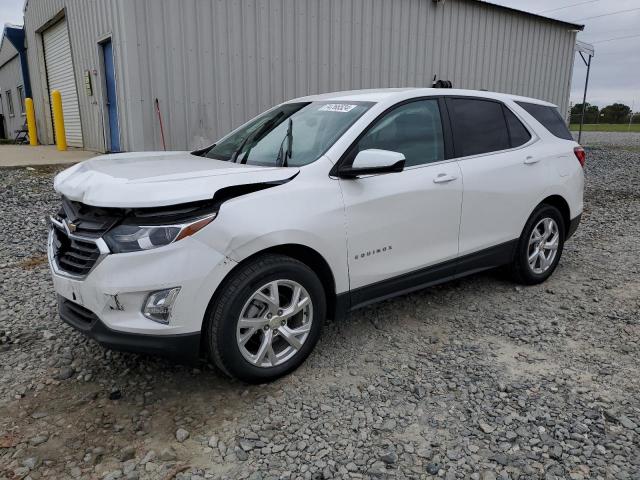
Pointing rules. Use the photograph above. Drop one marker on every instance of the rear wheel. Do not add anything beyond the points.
(540, 246)
(267, 319)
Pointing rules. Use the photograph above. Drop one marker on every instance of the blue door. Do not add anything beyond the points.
(112, 101)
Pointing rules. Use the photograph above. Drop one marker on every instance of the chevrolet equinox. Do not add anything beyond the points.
(317, 207)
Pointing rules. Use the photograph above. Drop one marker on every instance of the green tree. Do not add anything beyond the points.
(590, 114)
(616, 113)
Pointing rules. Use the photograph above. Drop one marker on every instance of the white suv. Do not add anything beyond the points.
(319, 206)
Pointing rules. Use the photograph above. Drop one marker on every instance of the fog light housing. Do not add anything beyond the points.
(159, 304)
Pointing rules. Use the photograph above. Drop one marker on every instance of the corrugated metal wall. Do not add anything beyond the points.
(10, 78)
(89, 21)
(213, 64)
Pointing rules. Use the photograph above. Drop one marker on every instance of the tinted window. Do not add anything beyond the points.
(478, 126)
(519, 134)
(414, 129)
(549, 117)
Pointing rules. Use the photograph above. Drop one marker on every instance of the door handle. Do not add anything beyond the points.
(531, 160)
(444, 178)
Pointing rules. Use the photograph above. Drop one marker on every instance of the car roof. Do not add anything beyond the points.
(388, 95)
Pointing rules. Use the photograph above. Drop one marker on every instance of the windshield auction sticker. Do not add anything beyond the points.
(337, 107)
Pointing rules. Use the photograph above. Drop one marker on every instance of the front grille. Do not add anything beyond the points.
(76, 228)
(76, 315)
(72, 254)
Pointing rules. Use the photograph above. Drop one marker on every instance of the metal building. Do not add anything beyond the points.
(212, 64)
(14, 81)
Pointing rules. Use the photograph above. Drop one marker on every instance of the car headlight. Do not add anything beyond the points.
(133, 238)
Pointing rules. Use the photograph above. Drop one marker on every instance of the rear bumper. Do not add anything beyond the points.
(180, 347)
(573, 226)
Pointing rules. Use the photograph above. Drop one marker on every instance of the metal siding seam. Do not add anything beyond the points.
(366, 46)
(375, 39)
(546, 59)
(458, 36)
(570, 66)
(420, 44)
(485, 48)
(436, 39)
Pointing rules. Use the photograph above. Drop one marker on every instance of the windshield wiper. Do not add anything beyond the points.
(255, 137)
(282, 159)
(203, 151)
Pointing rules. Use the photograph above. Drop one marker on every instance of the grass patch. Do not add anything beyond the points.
(605, 127)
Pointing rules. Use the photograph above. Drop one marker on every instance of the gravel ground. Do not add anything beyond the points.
(475, 379)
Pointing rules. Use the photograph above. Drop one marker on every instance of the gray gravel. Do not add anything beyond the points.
(476, 379)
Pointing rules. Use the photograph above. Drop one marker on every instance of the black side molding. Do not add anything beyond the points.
(573, 226)
(426, 277)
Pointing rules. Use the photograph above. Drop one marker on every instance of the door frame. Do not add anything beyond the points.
(446, 132)
(104, 96)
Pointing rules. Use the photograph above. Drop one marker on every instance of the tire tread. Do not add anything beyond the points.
(229, 289)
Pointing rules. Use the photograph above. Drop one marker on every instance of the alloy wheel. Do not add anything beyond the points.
(274, 323)
(543, 245)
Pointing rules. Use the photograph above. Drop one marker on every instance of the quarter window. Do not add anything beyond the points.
(517, 131)
(478, 126)
(413, 129)
(9, 103)
(549, 117)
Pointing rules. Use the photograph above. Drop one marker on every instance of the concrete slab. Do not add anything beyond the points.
(25, 155)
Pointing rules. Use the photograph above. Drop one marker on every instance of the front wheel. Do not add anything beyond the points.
(267, 319)
(540, 246)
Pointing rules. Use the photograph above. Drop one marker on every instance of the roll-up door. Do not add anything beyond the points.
(60, 76)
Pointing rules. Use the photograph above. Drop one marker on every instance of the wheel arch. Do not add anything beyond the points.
(307, 255)
(562, 205)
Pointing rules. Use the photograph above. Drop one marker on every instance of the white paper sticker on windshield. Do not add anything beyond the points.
(337, 107)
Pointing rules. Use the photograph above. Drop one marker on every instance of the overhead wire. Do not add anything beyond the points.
(568, 6)
(607, 14)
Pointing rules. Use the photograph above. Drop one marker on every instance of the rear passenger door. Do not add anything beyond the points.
(503, 176)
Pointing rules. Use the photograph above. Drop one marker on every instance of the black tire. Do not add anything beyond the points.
(521, 271)
(225, 310)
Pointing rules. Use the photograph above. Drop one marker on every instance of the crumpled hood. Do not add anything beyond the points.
(153, 179)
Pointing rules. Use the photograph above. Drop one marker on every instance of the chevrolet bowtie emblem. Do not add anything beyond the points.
(72, 227)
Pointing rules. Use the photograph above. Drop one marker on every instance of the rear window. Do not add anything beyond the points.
(549, 117)
(478, 126)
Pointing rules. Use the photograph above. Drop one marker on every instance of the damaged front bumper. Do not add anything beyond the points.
(107, 304)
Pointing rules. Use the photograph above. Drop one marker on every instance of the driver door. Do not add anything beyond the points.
(402, 228)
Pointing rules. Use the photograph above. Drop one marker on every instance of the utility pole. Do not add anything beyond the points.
(584, 96)
(583, 47)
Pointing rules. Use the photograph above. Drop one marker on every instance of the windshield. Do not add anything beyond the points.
(292, 134)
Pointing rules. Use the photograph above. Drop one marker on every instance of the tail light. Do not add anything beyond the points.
(580, 155)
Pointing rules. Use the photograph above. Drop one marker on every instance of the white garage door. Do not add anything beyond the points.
(57, 57)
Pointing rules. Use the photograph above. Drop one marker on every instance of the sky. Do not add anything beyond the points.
(615, 69)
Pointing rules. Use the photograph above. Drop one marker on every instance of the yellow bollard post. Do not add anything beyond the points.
(31, 122)
(58, 120)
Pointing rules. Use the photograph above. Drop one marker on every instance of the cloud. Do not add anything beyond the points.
(615, 69)
(11, 12)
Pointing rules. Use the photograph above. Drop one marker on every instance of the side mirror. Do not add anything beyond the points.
(372, 162)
